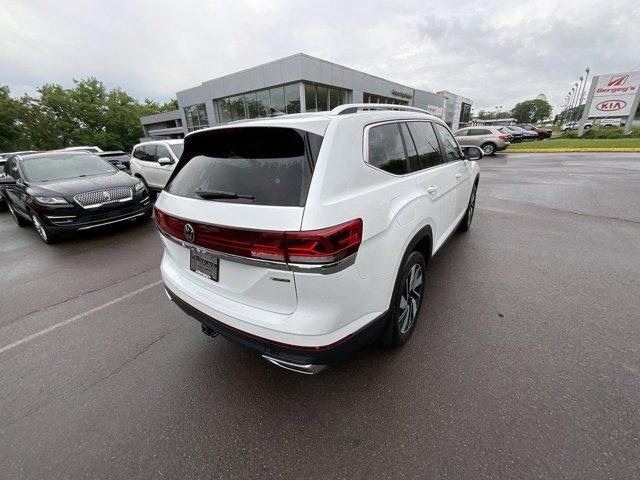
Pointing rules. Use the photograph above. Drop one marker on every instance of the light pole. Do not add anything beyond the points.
(571, 94)
(575, 97)
(584, 87)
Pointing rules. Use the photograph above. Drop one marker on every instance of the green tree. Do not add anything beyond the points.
(532, 110)
(86, 114)
(9, 120)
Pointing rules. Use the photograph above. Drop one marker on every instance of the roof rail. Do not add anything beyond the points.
(355, 107)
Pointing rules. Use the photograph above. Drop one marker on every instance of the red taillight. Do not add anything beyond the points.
(326, 245)
(503, 137)
(318, 246)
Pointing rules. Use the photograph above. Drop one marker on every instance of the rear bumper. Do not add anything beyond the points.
(281, 353)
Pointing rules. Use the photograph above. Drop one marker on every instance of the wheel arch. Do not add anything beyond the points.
(422, 241)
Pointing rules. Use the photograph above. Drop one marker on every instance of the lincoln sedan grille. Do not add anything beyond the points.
(104, 197)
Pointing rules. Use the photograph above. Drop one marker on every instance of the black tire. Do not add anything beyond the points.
(45, 235)
(465, 225)
(488, 148)
(407, 299)
(20, 221)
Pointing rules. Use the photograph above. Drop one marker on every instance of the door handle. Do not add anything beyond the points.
(432, 189)
(458, 176)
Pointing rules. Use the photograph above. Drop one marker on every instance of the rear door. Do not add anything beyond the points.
(236, 187)
(432, 174)
(454, 157)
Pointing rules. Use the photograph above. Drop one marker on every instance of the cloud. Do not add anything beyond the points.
(495, 52)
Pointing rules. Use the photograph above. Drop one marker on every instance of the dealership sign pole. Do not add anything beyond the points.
(613, 95)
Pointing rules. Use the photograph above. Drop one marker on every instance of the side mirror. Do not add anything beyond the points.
(120, 167)
(164, 161)
(473, 153)
(7, 181)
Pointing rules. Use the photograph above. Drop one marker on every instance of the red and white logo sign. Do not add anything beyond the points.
(617, 80)
(614, 95)
(611, 105)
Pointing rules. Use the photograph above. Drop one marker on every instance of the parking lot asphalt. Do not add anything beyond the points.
(525, 362)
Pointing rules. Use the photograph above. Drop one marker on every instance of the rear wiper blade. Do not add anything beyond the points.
(212, 194)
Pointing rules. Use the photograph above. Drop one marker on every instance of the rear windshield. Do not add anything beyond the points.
(261, 165)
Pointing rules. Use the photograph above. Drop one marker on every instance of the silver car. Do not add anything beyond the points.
(489, 139)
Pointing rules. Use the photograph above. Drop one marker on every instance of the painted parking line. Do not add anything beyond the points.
(77, 317)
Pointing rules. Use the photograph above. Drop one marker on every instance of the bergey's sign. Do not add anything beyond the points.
(614, 95)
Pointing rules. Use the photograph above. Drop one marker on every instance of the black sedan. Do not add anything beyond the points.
(65, 192)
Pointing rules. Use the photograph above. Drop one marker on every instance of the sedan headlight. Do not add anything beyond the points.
(139, 186)
(52, 200)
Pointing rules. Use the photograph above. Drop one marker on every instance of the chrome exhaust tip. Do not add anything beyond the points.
(307, 369)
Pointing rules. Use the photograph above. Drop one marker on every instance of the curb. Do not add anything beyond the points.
(577, 150)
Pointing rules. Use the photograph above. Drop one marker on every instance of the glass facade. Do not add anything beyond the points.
(370, 98)
(284, 98)
(320, 98)
(196, 116)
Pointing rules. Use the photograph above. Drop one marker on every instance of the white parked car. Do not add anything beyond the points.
(574, 126)
(307, 236)
(153, 162)
(90, 149)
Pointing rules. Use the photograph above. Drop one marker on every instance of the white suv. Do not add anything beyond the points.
(153, 162)
(307, 236)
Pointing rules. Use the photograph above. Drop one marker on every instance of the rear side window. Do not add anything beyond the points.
(146, 153)
(426, 143)
(386, 150)
(461, 133)
(259, 165)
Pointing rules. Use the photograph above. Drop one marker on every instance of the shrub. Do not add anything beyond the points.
(570, 134)
(597, 132)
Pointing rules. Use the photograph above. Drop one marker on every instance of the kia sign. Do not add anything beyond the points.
(611, 106)
(614, 94)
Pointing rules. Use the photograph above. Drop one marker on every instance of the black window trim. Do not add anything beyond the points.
(365, 138)
(440, 141)
(365, 146)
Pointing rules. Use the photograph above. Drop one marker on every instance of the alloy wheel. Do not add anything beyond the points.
(488, 149)
(11, 211)
(410, 299)
(472, 207)
(39, 228)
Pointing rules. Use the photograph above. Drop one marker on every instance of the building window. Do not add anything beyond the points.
(285, 99)
(370, 98)
(277, 99)
(196, 116)
(319, 98)
(292, 97)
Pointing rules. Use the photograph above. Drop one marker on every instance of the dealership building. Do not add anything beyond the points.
(299, 83)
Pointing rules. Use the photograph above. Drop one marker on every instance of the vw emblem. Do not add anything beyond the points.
(189, 233)
(106, 196)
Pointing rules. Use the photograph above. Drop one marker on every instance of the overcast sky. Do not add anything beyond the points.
(496, 53)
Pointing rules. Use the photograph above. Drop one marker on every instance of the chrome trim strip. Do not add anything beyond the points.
(59, 217)
(306, 369)
(323, 269)
(112, 221)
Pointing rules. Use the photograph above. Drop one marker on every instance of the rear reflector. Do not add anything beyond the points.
(315, 247)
